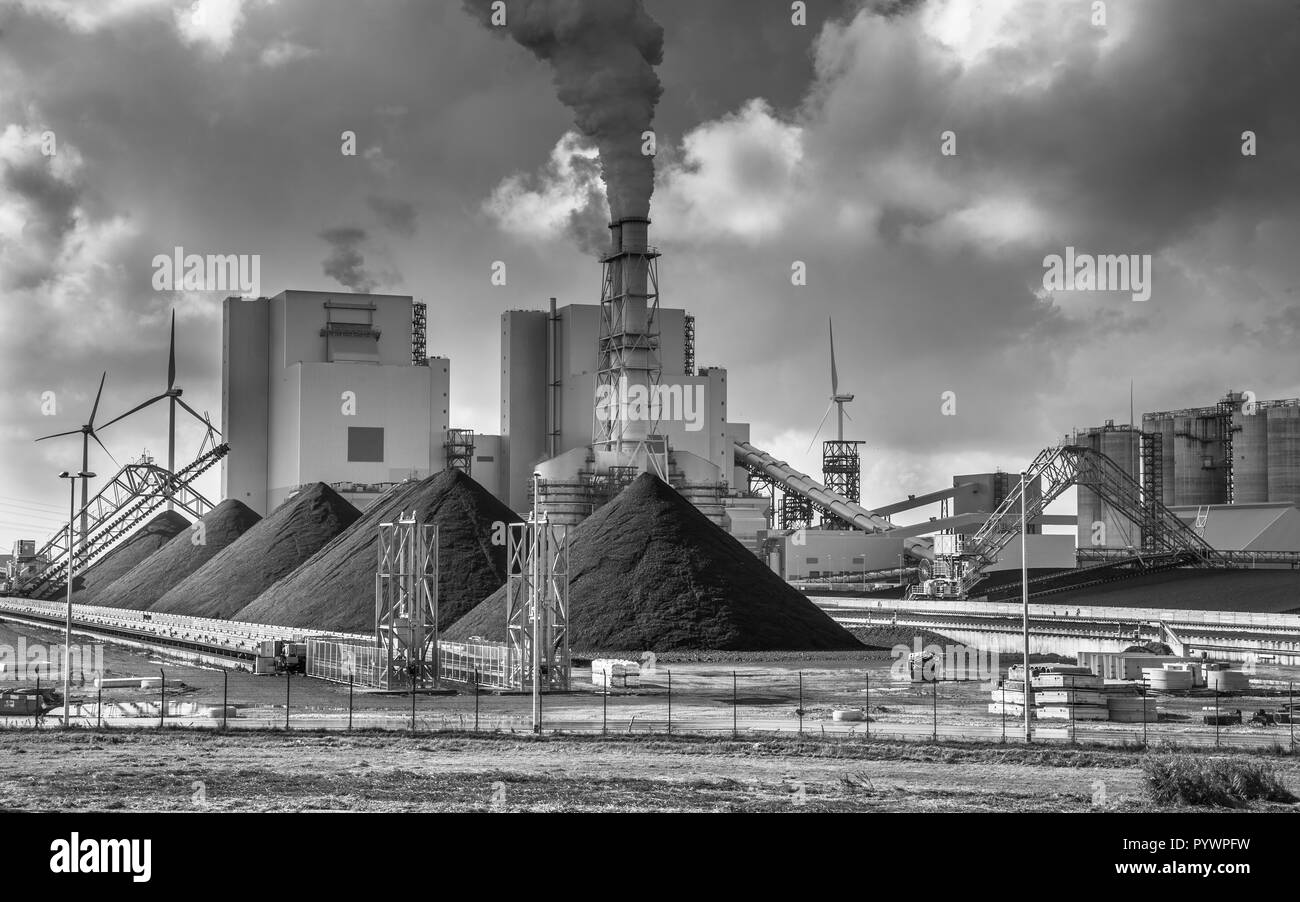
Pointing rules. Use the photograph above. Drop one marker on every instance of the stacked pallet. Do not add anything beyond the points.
(1058, 692)
(615, 674)
(1132, 709)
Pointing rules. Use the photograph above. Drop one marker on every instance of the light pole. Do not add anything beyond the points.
(67, 629)
(1024, 594)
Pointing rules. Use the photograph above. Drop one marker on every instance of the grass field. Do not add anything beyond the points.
(188, 770)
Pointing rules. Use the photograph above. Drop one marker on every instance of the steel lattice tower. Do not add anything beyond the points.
(842, 468)
(628, 346)
(537, 606)
(406, 601)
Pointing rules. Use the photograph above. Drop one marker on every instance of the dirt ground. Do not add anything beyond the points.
(185, 770)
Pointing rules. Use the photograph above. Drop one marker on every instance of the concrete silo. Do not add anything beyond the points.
(1283, 453)
(1249, 457)
(1122, 444)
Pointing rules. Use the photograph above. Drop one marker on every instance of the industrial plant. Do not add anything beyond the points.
(623, 552)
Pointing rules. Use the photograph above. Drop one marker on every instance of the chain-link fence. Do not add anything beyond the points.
(720, 700)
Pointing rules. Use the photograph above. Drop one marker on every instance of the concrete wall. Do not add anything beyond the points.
(245, 350)
(305, 313)
(1044, 551)
(523, 402)
(487, 469)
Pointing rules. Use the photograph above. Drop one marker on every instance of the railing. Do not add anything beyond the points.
(1286, 622)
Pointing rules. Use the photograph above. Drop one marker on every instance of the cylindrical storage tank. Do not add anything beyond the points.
(1123, 446)
(1197, 450)
(1166, 680)
(1283, 454)
(1250, 457)
(566, 503)
(1227, 680)
(1088, 501)
(1166, 427)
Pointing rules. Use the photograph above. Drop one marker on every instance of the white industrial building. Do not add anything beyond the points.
(328, 387)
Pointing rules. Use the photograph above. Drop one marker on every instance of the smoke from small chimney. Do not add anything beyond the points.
(603, 54)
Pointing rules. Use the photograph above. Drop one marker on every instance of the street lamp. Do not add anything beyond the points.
(67, 629)
(1024, 594)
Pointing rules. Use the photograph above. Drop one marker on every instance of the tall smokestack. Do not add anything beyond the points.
(628, 343)
(603, 54)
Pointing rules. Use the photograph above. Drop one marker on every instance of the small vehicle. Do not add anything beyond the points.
(28, 702)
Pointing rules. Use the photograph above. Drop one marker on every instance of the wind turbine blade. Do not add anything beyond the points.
(819, 426)
(194, 413)
(58, 435)
(835, 379)
(134, 410)
(106, 451)
(171, 356)
(94, 410)
(847, 417)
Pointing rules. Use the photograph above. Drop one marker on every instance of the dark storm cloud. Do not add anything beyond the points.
(603, 57)
(50, 207)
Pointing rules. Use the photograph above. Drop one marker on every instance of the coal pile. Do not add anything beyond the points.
(652, 573)
(335, 590)
(87, 585)
(149, 580)
(262, 556)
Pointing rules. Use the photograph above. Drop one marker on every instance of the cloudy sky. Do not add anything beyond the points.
(215, 125)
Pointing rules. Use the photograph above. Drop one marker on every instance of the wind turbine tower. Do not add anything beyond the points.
(841, 465)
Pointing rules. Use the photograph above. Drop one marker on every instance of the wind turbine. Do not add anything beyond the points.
(87, 432)
(172, 395)
(837, 399)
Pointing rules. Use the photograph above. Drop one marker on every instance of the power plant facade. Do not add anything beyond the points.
(325, 387)
(617, 398)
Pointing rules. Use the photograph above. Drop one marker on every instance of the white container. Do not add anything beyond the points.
(1227, 680)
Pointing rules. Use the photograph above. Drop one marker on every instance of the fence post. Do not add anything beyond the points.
(225, 695)
(288, 683)
(99, 704)
(1144, 709)
(475, 699)
(934, 707)
(866, 717)
(604, 711)
(670, 703)
(801, 703)
(412, 703)
(1216, 717)
(735, 733)
(1004, 711)
(350, 679)
(162, 699)
(1290, 707)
